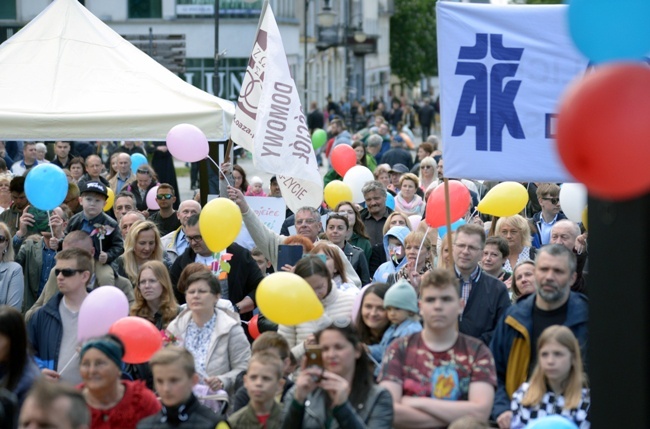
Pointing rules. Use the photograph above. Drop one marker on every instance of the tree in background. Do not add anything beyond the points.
(413, 48)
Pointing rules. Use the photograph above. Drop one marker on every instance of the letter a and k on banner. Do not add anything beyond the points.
(502, 72)
(270, 123)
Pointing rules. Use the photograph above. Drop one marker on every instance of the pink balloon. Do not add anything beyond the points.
(101, 308)
(152, 202)
(415, 221)
(187, 143)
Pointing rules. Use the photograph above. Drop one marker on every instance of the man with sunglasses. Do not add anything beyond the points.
(165, 219)
(101, 275)
(548, 195)
(52, 330)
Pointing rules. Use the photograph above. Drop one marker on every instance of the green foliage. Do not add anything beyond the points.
(413, 42)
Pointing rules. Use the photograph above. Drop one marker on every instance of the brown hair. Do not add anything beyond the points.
(168, 305)
(299, 240)
(268, 358)
(439, 278)
(173, 354)
(329, 249)
(272, 341)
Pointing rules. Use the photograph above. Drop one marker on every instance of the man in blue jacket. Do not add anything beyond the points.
(514, 344)
(484, 297)
(52, 330)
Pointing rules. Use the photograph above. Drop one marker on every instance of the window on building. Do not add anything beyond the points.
(8, 9)
(145, 8)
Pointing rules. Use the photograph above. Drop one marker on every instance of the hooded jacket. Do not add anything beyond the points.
(511, 346)
(389, 267)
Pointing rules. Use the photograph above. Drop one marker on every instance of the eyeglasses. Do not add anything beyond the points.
(192, 238)
(3, 239)
(143, 172)
(467, 247)
(552, 200)
(305, 221)
(164, 196)
(67, 272)
(426, 167)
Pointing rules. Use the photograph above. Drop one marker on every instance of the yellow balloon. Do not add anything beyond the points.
(220, 222)
(287, 299)
(505, 199)
(110, 200)
(584, 218)
(335, 192)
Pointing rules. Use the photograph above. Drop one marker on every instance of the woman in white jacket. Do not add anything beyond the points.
(214, 337)
(337, 304)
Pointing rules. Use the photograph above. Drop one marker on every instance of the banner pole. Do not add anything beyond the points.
(448, 220)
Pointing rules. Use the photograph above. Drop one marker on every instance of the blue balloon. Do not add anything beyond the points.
(390, 201)
(607, 30)
(442, 231)
(137, 159)
(46, 186)
(552, 422)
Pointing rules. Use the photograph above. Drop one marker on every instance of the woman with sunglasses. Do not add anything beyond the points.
(341, 393)
(428, 173)
(12, 283)
(141, 244)
(145, 180)
(357, 235)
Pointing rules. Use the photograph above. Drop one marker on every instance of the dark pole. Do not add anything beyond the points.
(346, 27)
(306, 106)
(205, 169)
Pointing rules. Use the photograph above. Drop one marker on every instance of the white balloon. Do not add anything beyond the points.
(573, 200)
(355, 178)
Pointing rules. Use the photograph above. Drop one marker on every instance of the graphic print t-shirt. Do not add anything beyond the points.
(441, 375)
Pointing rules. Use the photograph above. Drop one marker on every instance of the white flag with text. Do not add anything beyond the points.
(270, 123)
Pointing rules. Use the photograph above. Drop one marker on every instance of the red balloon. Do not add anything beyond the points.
(253, 329)
(141, 338)
(459, 200)
(343, 158)
(603, 130)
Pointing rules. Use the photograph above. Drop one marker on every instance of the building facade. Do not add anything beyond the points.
(347, 59)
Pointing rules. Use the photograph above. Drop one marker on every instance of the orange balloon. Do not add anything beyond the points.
(253, 329)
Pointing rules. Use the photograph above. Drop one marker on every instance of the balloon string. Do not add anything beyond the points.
(417, 258)
(448, 222)
(220, 170)
(471, 215)
(49, 218)
(69, 362)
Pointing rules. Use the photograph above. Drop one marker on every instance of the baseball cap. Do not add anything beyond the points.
(96, 187)
(399, 168)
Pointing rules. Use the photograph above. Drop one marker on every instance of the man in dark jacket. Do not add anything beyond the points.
(514, 344)
(426, 115)
(52, 330)
(485, 298)
(315, 118)
(242, 280)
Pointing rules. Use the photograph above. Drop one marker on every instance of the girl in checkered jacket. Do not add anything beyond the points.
(558, 384)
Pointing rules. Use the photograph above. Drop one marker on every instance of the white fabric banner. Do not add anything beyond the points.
(270, 123)
(272, 213)
(502, 72)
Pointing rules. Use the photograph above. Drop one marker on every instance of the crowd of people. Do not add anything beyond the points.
(488, 329)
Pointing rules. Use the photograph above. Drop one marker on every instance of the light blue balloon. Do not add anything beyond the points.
(610, 30)
(46, 186)
(390, 201)
(442, 231)
(137, 159)
(552, 422)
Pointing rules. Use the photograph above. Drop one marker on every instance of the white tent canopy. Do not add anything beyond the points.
(68, 76)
